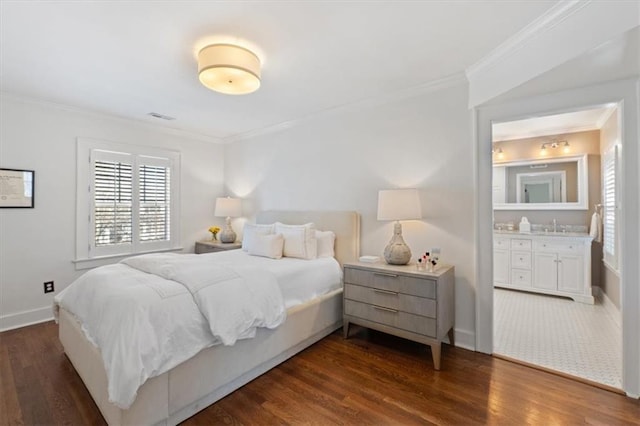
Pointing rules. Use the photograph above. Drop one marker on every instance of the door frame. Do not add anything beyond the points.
(625, 93)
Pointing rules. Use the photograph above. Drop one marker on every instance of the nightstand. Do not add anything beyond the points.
(402, 301)
(214, 246)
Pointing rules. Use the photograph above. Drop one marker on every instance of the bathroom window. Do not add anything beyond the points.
(609, 207)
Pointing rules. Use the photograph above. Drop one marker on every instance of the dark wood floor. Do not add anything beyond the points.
(371, 378)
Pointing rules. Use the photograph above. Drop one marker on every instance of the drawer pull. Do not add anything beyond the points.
(380, 308)
(382, 274)
(377, 290)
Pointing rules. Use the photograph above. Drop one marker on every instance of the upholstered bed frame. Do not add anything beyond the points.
(217, 371)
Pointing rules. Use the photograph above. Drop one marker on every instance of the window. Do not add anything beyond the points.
(609, 208)
(129, 195)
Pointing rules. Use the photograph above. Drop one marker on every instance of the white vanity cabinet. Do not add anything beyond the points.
(557, 264)
(501, 263)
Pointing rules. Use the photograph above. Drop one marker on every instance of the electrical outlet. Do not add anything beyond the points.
(435, 250)
(48, 287)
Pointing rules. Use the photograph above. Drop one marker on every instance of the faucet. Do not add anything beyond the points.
(555, 223)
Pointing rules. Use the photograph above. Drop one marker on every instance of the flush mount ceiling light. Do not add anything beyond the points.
(229, 69)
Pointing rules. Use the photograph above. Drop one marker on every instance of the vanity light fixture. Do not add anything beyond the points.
(229, 69)
(499, 153)
(555, 144)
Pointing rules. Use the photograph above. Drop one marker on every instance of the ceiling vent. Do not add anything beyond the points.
(161, 116)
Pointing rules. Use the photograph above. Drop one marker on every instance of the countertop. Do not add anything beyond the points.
(545, 234)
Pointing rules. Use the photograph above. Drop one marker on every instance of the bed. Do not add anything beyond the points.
(191, 386)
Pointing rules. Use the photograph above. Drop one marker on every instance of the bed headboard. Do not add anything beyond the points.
(345, 224)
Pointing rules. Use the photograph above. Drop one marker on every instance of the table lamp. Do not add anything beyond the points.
(398, 204)
(228, 207)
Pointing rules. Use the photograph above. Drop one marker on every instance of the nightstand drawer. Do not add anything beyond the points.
(389, 299)
(392, 317)
(215, 246)
(392, 282)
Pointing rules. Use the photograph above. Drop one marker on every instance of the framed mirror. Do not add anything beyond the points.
(542, 184)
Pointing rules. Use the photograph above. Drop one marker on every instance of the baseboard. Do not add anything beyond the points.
(609, 306)
(465, 339)
(25, 318)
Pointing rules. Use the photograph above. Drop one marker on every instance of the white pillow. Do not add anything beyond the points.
(326, 241)
(267, 246)
(299, 240)
(250, 231)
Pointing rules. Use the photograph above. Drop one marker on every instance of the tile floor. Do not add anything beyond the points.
(559, 334)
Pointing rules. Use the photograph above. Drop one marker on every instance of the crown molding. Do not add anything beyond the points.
(374, 101)
(547, 21)
(605, 117)
(103, 115)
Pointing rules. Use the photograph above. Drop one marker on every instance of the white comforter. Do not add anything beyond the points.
(151, 313)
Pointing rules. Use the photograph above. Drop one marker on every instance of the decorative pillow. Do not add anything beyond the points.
(251, 230)
(326, 241)
(299, 240)
(267, 246)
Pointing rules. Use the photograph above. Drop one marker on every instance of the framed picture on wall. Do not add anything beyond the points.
(16, 188)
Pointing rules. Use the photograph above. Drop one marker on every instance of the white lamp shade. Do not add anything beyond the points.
(399, 204)
(229, 69)
(228, 207)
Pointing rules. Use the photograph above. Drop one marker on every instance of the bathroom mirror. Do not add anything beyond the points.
(541, 184)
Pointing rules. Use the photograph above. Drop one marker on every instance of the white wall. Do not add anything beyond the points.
(38, 245)
(340, 161)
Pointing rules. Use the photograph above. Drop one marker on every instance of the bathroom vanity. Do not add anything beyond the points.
(555, 263)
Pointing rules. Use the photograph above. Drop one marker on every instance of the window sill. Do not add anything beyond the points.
(94, 262)
(611, 268)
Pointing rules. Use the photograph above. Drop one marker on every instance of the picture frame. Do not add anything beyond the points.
(17, 188)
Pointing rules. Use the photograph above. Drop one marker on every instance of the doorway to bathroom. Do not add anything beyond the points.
(556, 279)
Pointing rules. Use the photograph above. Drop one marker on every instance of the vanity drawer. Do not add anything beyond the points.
(558, 246)
(391, 317)
(521, 259)
(390, 299)
(521, 278)
(520, 244)
(501, 243)
(422, 287)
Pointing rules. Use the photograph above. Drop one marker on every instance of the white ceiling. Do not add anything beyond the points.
(129, 58)
(577, 121)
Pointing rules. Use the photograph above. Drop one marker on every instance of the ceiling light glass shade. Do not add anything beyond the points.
(229, 69)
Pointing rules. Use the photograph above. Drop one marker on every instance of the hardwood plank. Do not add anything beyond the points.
(369, 379)
(10, 412)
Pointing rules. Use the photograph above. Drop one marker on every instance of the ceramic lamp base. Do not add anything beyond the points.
(228, 235)
(397, 251)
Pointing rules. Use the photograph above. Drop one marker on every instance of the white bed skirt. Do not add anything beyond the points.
(209, 376)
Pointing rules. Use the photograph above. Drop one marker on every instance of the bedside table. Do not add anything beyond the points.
(213, 246)
(402, 301)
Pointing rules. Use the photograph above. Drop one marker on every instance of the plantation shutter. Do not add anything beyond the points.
(112, 188)
(609, 206)
(154, 196)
